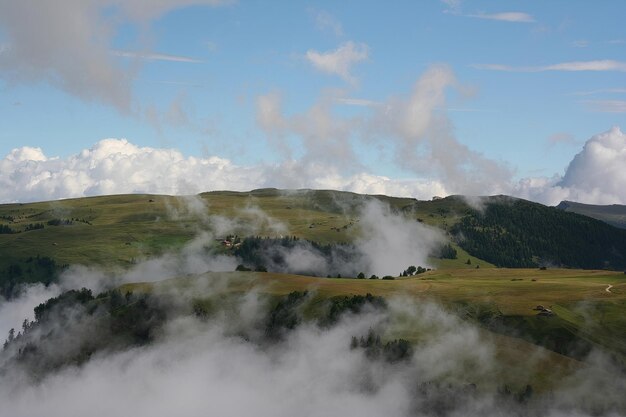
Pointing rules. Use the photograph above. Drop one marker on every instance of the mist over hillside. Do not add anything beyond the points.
(176, 331)
(194, 349)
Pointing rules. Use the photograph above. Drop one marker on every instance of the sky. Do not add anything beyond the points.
(416, 98)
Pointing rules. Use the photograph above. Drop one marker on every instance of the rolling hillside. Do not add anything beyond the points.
(37, 239)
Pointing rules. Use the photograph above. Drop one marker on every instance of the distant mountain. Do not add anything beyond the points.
(613, 214)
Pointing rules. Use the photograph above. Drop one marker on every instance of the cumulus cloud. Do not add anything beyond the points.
(69, 46)
(599, 167)
(596, 174)
(114, 166)
(340, 61)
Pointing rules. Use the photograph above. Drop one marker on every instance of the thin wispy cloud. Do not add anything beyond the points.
(326, 22)
(154, 56)
(515, 17)
(606, 106)
(601, 91)
(599, 65)
(340, 61)
(358, 102)
(469, 110)
(580, 43)
(562, 138)
(452, 6)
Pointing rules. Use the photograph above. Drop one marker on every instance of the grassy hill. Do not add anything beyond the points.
(119, 230)
(613, 214)
(501, 301)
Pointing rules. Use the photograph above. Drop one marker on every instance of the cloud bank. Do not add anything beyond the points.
(115, 166)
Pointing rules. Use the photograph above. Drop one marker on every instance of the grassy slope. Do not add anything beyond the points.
(578, 297)
(120, 229)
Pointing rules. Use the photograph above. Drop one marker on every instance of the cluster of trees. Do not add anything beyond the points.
(33, 226)
(60, 222)
(361, 275)
(391, 351)
(113, 320)
(287, 312)
(285, 315)
(109, 321)
(258, 268)
(353, 304)
(520, 234)
(6, 230)
(265, 253)
(413, 270)
(30, 270)
(446, 252)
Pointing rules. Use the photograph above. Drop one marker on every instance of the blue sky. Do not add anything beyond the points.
(529, 81)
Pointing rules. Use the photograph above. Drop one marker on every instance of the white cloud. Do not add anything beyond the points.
(68, 45)
(599, 65)
(424, 141)
(607, 106)
(340, 61)
(114, 166)
(26, 153)
(599, 168)
(596, 175)
(516, 17)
